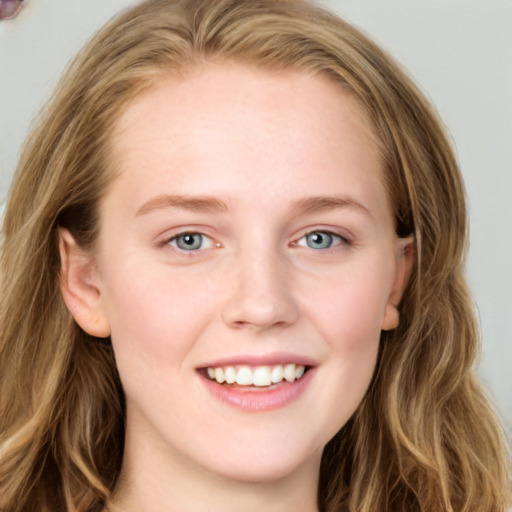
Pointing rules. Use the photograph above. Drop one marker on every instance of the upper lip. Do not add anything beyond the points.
(261, 360)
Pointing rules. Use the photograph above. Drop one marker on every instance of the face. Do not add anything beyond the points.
(245, 268)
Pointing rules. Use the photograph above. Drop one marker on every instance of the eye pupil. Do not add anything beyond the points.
(189, 241)
(319, 240)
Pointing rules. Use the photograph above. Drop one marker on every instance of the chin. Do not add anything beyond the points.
(261, 467)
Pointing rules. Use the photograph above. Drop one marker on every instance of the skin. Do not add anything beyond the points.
(259, 145)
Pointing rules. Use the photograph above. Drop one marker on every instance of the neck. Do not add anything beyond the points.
(169, 484)
(195, 496)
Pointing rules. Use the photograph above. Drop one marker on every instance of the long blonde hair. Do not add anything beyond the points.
(424, 438)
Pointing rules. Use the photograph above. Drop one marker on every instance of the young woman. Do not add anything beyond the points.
(232, 279)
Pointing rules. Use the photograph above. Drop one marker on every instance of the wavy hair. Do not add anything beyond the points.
(425, 438)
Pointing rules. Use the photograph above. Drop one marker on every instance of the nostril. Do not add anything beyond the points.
(10, 8)
(249, 310)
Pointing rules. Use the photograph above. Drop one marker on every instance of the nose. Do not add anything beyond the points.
(261, 296)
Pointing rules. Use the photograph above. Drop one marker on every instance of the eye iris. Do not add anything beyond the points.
(189, 241)
(319, 240)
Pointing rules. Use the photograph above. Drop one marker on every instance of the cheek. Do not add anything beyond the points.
(347, 311)
(154, 316)
(349, 305)
(351, 324)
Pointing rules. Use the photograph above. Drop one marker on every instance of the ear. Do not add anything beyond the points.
(79, 284)
(404, 261)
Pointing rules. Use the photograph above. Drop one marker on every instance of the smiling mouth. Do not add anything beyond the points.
(255, 376)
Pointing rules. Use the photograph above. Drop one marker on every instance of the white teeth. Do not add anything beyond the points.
(277, 373)
(289, 372)
(219, 375)
(230, 375)
(244, 376)
(260, 376)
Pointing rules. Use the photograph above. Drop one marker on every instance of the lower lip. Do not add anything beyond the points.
(252, 399)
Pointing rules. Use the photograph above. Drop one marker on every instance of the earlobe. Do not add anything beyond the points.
(80, 288)
(404, 261)
(391, 317)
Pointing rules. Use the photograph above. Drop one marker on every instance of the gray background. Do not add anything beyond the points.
(457, 50)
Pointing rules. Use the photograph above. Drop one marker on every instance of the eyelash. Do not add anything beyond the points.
(341, 241)
(190, 252)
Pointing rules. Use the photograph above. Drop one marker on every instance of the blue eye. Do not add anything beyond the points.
(191, 241)
(320, 240)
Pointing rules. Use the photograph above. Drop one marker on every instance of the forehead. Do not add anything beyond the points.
(221, 118)
(222, 89)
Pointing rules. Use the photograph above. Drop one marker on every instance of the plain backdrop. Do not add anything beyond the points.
(459, 51)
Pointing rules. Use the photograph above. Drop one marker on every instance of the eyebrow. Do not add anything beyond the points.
(193, 203)
(208, 204)
(330, 202)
